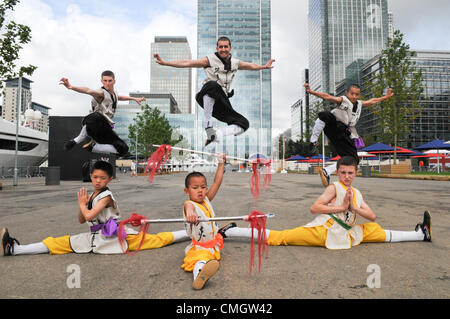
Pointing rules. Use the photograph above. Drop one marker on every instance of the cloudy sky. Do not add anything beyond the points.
(79, 39)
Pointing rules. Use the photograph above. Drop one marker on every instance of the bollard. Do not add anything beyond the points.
(52, 176)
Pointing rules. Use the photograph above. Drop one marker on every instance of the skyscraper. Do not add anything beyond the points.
(176, 81)
(11, 98)
(247, 24)
(341, 32)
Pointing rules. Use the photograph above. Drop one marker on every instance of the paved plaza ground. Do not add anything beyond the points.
(32, 211)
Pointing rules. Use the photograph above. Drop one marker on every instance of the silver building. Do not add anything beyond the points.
(176, 81)
(341, 32)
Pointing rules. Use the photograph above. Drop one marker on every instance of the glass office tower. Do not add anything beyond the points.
(247, 24)
(176, 81)
(341, 32)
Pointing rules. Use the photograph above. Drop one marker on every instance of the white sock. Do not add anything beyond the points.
(232, 129)
(208, 106)
(394, 236)
(244, 233)
(180, 235)
(31, 249)
(319, 125)
(198, 267)
(330, 169)
(104, 148)
(82, 136)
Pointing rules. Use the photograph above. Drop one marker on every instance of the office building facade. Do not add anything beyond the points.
(434, 120)
(248, 24)
(341, 32)
(176, 81)
(297, 120)
(11, 98)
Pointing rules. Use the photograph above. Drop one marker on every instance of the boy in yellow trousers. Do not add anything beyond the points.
(335, 226)
(101, 212)
(203, 253)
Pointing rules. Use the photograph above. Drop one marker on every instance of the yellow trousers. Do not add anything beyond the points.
(194, 255)
(61, 245)
(316, 236)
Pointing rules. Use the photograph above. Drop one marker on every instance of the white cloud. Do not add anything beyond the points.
(80, 46)
(289, 49)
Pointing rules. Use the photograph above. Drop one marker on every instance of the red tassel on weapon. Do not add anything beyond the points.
(258, 221)
(136, 221)
(160, 156)
(256, 176)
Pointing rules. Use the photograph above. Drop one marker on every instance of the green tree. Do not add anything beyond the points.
(152, 127)
(12, 37)
(397, 71)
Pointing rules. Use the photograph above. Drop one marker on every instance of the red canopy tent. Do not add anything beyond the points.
(430, 155)
(400, 150)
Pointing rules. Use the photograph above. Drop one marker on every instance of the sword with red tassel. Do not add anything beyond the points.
(256, 219)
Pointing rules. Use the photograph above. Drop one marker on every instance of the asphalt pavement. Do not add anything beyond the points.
(33, 211)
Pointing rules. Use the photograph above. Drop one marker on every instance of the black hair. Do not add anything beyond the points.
(108, 73)
(190, 175)
(104, 166)
(223, 39)
(347, 161)
(354, 85)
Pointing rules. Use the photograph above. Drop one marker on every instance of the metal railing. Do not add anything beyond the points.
(27, 171)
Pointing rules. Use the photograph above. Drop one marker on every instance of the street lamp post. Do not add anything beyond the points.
(136, 147)
(19, 104)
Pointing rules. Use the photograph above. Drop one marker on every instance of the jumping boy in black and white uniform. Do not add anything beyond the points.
(339, 125)
(220, 68)
(99, 123)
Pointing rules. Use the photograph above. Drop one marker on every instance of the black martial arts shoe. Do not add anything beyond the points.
(313, 148)
(324, 177)
(426, 226)
(223, 230)
(211, 135)
(7, 243)
(69, 145)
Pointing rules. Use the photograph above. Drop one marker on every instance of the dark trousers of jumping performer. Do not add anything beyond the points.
(216, 103)
(100, 130)
(339, 135)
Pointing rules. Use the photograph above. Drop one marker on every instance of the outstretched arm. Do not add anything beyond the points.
(202, 63)
(212, 191)
(255, 67)
(323, 96)
(97, 94)
(129, 98)
(376, 100)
